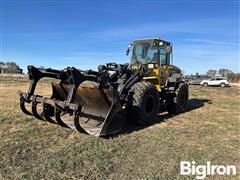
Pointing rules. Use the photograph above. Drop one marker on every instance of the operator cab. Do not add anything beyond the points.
(151, 51)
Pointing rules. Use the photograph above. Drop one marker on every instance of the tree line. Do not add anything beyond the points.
(10, 68)
(223, 72)
(234, 77)
(10, 65)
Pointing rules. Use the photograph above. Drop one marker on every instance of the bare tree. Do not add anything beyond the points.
(11, 68)
(42, 67)
(12, 65)
(183, 72)
(224, 72)
(211, 72)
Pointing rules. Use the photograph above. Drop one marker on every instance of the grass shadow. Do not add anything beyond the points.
(192, 105)
(196, 103)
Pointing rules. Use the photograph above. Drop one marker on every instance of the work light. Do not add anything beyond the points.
(150, 66)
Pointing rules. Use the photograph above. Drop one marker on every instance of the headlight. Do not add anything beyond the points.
(150, 66)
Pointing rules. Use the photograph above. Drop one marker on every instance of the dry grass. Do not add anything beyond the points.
(30, 149)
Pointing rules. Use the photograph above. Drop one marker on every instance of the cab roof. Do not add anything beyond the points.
(158, 39)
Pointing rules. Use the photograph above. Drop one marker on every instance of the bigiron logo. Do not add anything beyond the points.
(201, 171)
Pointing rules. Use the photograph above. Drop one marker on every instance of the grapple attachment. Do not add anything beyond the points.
(82, 101)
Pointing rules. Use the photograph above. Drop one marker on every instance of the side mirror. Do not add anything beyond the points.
(168, 49)
(128, 49)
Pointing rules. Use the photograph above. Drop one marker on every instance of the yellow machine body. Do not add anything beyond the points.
(156, 72)
(159, 75)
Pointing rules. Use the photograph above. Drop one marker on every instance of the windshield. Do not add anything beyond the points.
(149, 51)
(145, 52)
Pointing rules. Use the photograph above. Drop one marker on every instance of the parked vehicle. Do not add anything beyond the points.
(194, 80)
(215, 81)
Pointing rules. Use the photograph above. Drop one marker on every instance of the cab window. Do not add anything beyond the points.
(164, 57)
(145, 53)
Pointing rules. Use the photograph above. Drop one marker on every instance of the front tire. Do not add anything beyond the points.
(143, 103)
(178, 101)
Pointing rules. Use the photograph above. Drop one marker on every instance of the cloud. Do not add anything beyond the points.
(92, 56)
(199, 44)
(207, 41)
(195, 27)
(86, 60)
(199, 57)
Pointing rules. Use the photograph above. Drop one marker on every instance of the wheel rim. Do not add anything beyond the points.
(149, 105)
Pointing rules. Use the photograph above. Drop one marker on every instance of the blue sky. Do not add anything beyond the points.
(58, 34)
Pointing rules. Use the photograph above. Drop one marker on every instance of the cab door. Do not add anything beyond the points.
(164, 61)
(212, 81)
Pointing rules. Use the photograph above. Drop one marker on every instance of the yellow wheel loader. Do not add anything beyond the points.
(100, 102)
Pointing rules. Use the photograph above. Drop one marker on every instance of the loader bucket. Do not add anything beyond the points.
(94, 110)
(81, 101)
(100, 111)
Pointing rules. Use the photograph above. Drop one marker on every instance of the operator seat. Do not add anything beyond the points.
(155, 57)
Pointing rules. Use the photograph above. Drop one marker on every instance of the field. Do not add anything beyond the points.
(208, 131)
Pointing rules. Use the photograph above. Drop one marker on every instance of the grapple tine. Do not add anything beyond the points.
(46, 113)
(22, 106)
(34, 109)
(76, 114)
(57, 114)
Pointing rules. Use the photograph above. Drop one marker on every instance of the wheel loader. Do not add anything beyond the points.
(99, 102)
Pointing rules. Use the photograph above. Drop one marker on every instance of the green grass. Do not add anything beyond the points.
(30, 149)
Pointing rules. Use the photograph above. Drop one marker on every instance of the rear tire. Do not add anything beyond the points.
(143, 103)
(178, 101)
(222, 84)
(205, 84)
